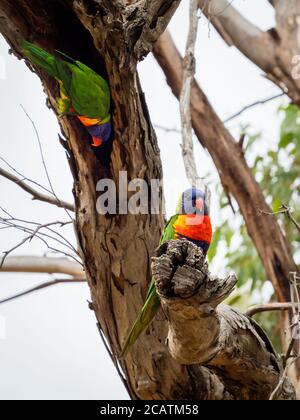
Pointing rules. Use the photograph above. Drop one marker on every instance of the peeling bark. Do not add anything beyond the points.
(201, 330)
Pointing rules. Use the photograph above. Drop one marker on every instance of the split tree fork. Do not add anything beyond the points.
(110, 37)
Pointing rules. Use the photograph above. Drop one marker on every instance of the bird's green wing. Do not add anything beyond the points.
(167, 235)
(40, 58)
(144, 318)
(89, 92)
(152, 303)
(168, 231)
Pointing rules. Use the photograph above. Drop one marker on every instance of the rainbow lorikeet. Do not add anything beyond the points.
(192, 222)
(83, 92)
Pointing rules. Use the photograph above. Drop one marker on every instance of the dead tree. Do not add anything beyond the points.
(111, 37)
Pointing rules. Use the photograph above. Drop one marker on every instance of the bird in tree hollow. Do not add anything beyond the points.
(83, 92)
(191, 222)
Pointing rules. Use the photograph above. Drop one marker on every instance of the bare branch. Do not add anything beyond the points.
(167, 129)
(58, 237)
(35, 264)
(42, 236)
(189, 69)
(269, 307)
(25, 178)
(43, 157)
(113, 358)
(284, 210)
(235, 115)
(36, 195)
(290, 359)
(252, 105)
(236, 30)
(40, 148)
(29, 238)
(42, 286)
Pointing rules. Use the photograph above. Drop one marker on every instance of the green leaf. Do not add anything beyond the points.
(276, 204)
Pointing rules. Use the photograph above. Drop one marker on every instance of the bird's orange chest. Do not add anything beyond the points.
(195, 227)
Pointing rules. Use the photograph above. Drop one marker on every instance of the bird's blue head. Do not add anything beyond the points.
(194, 201)
(100, 133)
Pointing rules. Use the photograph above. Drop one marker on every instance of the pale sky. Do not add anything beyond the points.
(49, 343)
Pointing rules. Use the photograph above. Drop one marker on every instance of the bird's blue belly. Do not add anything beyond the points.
(102, 131)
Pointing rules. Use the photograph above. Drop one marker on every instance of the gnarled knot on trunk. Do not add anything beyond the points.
(180, 271)
(204, 331)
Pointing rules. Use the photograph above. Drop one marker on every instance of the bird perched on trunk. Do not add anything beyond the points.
(83, 92)
(191, 222)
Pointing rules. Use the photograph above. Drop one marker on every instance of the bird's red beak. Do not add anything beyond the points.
(97, 142)
(199, 204)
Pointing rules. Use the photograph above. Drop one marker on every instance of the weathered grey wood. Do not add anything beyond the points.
(204, 331)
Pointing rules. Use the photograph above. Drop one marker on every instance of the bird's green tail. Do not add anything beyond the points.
(144, 318)
(40, 58)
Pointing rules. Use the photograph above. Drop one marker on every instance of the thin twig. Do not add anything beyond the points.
(167, 129)
(29, 238)
(41, 236)
(113, 359)
(252, 105)
(51, 248)
(42, 286)
(25, 178)
(34, 193)
(289, 351)
(61, 239)
(237, 114)
(28, 222)
(269, 307)
(284, 209)
(295, 331)
(43, 158)
(242, 140)
(282, 379)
